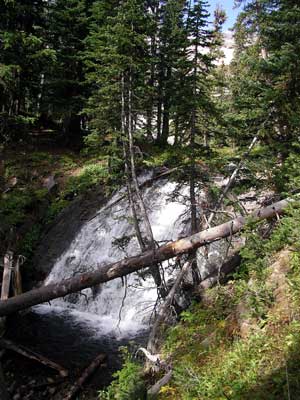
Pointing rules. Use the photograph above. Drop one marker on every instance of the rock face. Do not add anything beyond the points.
(63, 230)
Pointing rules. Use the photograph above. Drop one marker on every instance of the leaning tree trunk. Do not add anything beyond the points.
(136, 263)
(150, 242)
(231, 180)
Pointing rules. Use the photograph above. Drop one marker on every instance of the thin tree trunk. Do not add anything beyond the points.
(165, 308)
(140, 200)
(150, 243)
(128, 182)
(17, 278)
(166, 110)
(85, 376)
(7, 273)
(136, 263)
(193, 205)
(231, 180)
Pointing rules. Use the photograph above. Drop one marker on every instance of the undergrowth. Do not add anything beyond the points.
(211, 360)
(128, 382)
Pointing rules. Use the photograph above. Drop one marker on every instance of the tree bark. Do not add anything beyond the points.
(85, 375)
(154, 390)
(6, 280)
(136, 263)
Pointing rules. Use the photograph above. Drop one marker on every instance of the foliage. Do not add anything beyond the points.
(54, 209)
(264, 84)
(13, 207)
(287, 177)
(29, 242)
(89, 176)
(128, 383)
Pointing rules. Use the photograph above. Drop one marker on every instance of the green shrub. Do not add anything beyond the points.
(30, 241)
(54, 209)
(90, 176)
(13, 207)
(128, 383)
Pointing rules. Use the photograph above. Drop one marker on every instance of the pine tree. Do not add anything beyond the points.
(265, 70)
(65, 89)
(24, 57)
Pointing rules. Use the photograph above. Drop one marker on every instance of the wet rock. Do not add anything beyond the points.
(63, 230)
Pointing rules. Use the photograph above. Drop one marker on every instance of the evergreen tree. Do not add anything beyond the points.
(65, 88)
(116, 65)
(24, 57)
(265, 70)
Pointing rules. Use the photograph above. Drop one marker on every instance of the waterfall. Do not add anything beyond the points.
(119, 308)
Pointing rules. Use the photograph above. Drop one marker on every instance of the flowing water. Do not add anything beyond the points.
(73, 330)
(120, 308)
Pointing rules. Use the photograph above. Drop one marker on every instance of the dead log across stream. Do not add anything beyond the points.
(85, 375)
(9, 345)
(133, 264)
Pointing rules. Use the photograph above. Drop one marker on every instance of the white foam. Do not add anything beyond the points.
(93, 246)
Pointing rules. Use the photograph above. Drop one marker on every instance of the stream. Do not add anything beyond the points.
(73, 330)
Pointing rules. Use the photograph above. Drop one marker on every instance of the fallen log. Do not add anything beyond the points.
(154, 390)
(221, 276)
(133, 264)
(85, 375)
(9, 345)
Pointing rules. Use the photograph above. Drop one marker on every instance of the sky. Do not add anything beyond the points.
(232, 13)
(228, 6)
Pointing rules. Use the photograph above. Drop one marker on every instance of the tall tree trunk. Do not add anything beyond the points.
(166, 110)
(194, 224)
(124, 127)
(150, 242)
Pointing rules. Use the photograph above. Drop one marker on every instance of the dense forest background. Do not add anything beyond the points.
(67, 65)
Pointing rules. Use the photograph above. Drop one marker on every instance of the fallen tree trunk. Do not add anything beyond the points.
(9, 345)
(154, 390)
(133, 264)
(85, 375)
(221, 275)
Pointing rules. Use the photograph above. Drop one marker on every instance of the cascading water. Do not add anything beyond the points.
(73, 330)
(118, 308)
